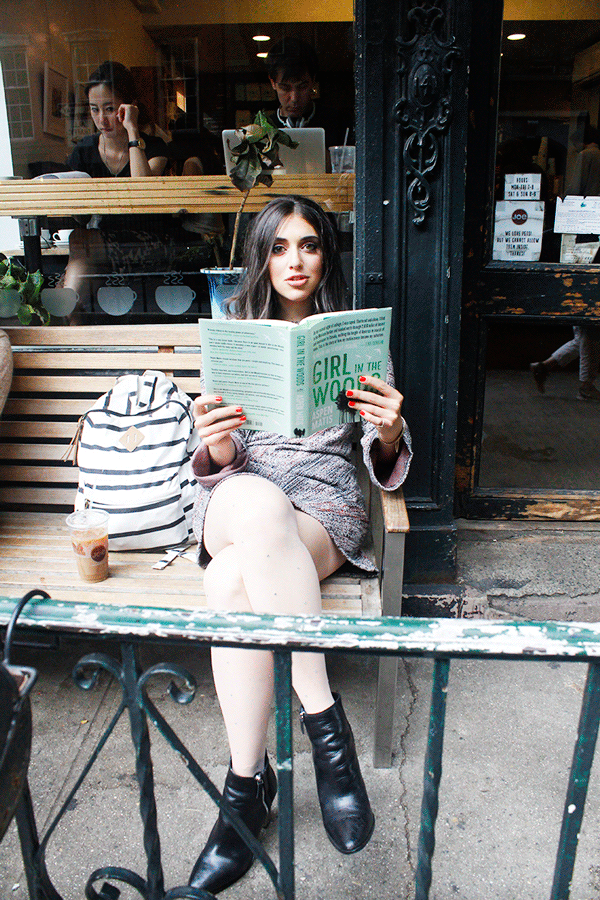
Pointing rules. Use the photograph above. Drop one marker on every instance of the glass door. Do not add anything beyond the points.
(529, 397)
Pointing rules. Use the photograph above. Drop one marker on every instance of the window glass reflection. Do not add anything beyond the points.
(189, 82)
(547, 142)
(540, 426)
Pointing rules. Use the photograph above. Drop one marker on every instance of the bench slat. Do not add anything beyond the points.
(42, 406)
(125, 361)
(394, 512)
(95, 385)
(38, 452)
(48, 496)
(40, 474)
(171, 335)
(37, 429)
(36, 552)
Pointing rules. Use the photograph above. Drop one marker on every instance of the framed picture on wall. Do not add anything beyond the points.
(55, 102)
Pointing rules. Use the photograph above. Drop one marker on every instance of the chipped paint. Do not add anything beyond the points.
(434, 637)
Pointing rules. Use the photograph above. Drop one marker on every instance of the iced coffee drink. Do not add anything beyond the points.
(89, 536)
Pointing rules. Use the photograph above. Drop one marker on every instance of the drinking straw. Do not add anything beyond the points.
(345, 144)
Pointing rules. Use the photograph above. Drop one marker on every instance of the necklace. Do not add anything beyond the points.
(104, 156)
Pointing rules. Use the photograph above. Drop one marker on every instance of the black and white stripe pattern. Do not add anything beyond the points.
(146, 483)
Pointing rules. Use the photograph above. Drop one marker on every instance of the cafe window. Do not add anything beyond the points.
(193, 80)
(547, 185)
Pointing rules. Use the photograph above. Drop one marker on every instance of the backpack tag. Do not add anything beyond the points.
(132, 438)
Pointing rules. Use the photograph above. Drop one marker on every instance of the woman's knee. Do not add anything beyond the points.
(247, 507)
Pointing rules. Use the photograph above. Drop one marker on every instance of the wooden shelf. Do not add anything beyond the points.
(192, 194)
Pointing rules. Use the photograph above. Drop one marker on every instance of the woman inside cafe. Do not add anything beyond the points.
(118, 148)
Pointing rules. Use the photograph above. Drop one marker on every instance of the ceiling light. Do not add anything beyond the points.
(517, 36)
(262, 55)
(261, 37)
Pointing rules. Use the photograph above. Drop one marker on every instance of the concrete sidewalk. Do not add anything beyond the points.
(510, 730)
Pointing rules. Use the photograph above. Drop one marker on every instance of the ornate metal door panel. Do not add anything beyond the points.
(411, 134)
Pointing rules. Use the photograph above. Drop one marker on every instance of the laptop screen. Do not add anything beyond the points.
(308, 158)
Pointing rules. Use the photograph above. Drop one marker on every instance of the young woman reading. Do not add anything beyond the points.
(274, 517)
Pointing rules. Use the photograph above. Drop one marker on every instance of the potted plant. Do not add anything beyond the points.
(256, 156)
(20, 292)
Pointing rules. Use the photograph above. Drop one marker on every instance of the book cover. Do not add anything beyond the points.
(291, 378)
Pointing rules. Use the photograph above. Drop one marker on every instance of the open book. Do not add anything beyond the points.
(291, 378)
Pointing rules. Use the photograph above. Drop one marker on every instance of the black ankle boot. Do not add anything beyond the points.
(347, 814)
(226, 857)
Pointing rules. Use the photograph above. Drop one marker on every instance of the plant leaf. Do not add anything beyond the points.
(284, 138)
(25, 314)
(264, 177)
(43, 314)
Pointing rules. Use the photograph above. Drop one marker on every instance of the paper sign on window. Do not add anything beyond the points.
(518, 230)
(577, 215)
(523, 187)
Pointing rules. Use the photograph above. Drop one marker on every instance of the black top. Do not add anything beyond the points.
(85, 156)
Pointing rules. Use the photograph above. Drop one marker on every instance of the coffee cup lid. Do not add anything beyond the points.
(87, 518)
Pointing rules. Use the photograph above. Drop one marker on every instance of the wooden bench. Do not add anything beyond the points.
(58, 373)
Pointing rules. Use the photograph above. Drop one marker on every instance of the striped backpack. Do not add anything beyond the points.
(134, 449)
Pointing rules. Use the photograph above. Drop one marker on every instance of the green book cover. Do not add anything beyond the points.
(291, 378)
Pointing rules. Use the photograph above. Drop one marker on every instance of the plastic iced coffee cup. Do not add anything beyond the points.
(89, 535)
(342, 158)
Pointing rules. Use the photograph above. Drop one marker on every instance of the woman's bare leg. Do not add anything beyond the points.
(267, 557)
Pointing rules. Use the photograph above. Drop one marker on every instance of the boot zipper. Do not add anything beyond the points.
(301, 717)
(261, 783)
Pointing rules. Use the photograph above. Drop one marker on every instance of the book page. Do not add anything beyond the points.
(248, 364)
(342, 347)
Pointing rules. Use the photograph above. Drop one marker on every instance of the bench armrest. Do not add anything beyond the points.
(389, 523)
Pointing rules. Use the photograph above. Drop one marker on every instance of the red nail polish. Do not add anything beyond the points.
(349, 393)
(242, 418)
(362, 412)
(218, 399)
(362, 378)
(238, 409)
(351, 404)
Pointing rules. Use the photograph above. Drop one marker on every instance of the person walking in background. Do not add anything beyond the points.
(585, 343)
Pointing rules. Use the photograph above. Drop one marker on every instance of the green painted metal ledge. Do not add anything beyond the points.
(495, 639)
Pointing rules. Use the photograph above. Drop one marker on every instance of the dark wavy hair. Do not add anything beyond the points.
(255, 298)
(115, 76)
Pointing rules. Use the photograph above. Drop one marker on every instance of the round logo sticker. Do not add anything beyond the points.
(519, 217)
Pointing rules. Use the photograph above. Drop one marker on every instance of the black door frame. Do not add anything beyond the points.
(411, 88)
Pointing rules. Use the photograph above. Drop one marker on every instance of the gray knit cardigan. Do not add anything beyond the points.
(316, 473)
